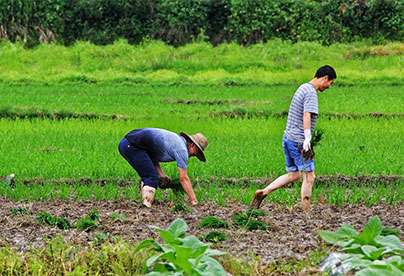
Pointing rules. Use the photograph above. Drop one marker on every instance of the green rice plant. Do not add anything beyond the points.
(212, 222)
(215, 236)
(181, 254)
(368, 252)
(51, 220)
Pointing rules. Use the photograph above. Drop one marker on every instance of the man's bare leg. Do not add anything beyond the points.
(276, 184)
(307, 186)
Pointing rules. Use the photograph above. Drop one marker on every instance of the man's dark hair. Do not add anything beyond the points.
(326, 70)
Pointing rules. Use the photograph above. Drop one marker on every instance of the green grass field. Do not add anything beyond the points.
(63, 112)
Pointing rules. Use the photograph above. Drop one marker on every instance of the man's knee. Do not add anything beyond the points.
(294, 176)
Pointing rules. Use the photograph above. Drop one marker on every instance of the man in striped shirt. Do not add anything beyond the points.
(302, 118)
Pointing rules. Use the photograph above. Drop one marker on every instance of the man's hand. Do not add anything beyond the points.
(165, 182)
(307, 139)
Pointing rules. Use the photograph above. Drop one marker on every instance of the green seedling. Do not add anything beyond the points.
(212, 222)
(215, 236)
(180, 206)
(88, 222)
(255, 213)
(19, 211)
(116, 216)
(93, 214)
(100, 238)
(249, 222)
(59, 222)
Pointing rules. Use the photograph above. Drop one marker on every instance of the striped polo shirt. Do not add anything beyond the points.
(304, 100)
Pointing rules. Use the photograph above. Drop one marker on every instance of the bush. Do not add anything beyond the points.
(179, 21)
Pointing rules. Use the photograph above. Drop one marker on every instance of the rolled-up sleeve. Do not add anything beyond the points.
(181, 157)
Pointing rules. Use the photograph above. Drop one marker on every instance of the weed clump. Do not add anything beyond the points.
(215, 236)
(88, 222)
(212, 222)
(18, 211)
(116, 216)
(248, 220)
(55, 221)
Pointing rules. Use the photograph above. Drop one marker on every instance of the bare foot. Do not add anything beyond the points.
(258, 198)
(306, 206)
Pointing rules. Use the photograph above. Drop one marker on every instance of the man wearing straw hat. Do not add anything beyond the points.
(145, 148)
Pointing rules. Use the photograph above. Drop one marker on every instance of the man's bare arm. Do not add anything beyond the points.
(187, 185)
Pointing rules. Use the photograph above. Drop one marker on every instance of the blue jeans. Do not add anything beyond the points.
(294, 160)
(140, 160)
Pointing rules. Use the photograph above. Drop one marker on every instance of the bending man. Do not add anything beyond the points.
(145, 148)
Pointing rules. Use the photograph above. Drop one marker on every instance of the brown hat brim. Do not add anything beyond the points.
(200, 155)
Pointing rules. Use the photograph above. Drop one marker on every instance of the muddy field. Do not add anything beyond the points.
(291, 233)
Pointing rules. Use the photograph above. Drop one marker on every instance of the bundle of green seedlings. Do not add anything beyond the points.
(315, 140)
(180, 254)
(375, 250)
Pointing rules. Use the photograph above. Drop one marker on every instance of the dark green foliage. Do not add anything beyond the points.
(248, 220)
(212, 222)
(180, 206)
(255, 213)
(37, 113)
(178, 22)
(215, 236)
(19, 211)
(59, 222)
(88, 222)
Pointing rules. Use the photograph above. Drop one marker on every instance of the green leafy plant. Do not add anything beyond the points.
(49, 219)
(181, 254)
(248, 220)
(215, 236)
(368, 252)
(213, 222)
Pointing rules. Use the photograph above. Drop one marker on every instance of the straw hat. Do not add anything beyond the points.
(200, 142)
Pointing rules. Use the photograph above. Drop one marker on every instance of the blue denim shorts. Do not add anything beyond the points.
(294, 160)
